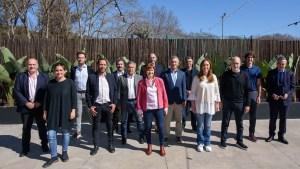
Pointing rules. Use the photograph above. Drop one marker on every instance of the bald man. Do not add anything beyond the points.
(29, 92)
(234, 91)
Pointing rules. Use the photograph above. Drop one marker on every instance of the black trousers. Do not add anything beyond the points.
(237, 108)
(116, 118)
(185, 112)
(27, 120)
(103, 109)
(277, 107)
(252, 112)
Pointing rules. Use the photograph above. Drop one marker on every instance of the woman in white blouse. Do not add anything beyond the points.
(205, 99)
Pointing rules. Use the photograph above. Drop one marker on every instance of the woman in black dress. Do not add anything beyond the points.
(59, 111)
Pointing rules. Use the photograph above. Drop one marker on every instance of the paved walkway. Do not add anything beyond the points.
(131, 156)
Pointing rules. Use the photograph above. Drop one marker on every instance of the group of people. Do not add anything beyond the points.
(156, 93)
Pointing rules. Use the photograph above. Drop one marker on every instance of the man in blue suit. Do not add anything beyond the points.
(101, 98)
(175, 84)
(280, 85)
(29, 92)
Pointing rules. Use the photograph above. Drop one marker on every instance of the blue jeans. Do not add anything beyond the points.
(203, 128)
(139, 120)
(53, 141)
(159, 118)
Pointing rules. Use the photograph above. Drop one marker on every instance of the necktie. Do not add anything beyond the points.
(280, 77)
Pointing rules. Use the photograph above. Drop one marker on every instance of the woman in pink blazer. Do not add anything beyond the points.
(152, 101)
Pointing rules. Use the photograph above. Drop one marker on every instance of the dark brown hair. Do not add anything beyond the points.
(249, 53)
(100, 60)
(120, 60)
(80, 52)
(59, 64)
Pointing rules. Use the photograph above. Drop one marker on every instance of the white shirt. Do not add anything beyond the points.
(205, 95)
(32, 81)
(131, 92)
(152, 101)
(81, 76)
(103, 96)
(120, 73)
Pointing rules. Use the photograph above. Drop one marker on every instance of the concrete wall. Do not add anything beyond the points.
(8, 115)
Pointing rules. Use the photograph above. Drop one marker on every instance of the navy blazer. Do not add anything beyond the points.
(176, 94)
(158, 70)
(73, 72)
(194, 72)
(272, 86)
(92, 88)
(21, 90)
(115, 73)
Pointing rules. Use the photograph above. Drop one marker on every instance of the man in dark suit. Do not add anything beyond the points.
(101, 93)
(127, 92)
(280, 85)
(120, 63)
(175, 84)
(79, 74)
(29, 92)
(190, 73)
(158, 68)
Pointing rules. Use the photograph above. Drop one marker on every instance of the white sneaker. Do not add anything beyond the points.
(200, 148)
(208, 148)
(76, 136)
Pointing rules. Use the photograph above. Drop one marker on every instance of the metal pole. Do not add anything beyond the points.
(222, 17)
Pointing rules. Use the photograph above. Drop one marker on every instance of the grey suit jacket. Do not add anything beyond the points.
(123, 90)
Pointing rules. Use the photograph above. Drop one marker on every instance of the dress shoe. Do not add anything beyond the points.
(162, 151)
(149, 150)
(50, 162)
(252, 138)
(223, 144)
(111, 148)
(242, 146)
(94, 150)
(178, 140)
(23, 153)
(141, 140)
(124, 141)
(269, 139)
(65, 156)
(45, 149)
(283, 140)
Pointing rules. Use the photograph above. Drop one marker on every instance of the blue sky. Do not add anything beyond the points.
(256, 17)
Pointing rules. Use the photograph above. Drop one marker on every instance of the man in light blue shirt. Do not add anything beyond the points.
(80, 75)
(175, 84)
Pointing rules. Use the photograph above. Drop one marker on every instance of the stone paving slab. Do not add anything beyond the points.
(184, 156)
